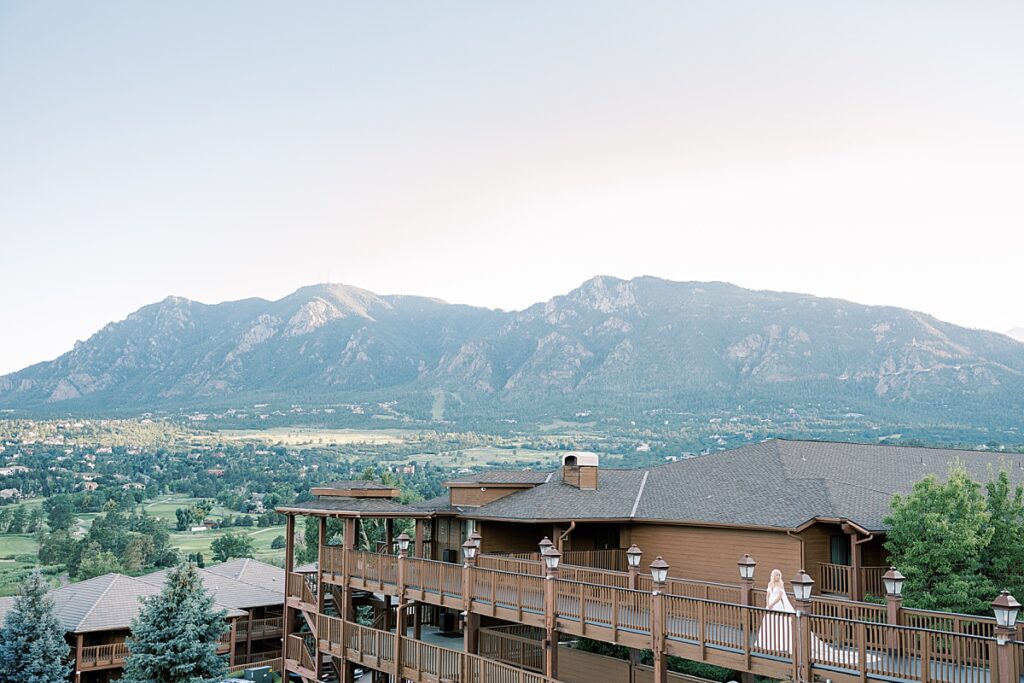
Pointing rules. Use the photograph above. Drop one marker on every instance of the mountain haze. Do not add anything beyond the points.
(610, 344)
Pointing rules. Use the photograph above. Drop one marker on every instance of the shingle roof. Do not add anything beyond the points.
(442, 503)
(777, 483)
(105, 603)
(613, 498)
(355, 506)
(504, 477)
(228, 591)
(253, 572)
(356, 485)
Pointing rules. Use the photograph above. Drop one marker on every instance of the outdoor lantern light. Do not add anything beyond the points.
(551, 558)
(893, 581)
(659, 570)
(403, 543)
(475, 537)
(1006, 608)
(469, 550)
(544, 544)
(633, 556)
(747, 565)
(802, 585)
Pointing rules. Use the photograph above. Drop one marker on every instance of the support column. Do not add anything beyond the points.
(79, 644)
(801, 641)
(231, 647)
(289, 563)
(389, 535)
(322, 543)
(418, 538)
(856, 584)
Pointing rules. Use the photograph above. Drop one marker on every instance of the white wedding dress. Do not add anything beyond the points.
(776, 635)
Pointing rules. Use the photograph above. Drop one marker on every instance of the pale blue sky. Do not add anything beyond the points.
(500, 153)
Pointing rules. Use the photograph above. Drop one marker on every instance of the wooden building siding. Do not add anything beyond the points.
(481, 494)
(711, 554)
(512, 537)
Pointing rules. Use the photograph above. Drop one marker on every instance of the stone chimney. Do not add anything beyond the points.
(579, 469)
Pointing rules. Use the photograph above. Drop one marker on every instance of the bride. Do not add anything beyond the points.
(776, 632)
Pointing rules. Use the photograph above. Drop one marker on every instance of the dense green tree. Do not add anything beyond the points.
(32, 645)
(96, 562)
(57, 548)
(174, 639)
(232, 544)
(60, 513)
(19, 517)
(278, 543)
(1005, 556)
(938, 537)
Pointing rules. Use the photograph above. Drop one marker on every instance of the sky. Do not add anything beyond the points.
(501, 153)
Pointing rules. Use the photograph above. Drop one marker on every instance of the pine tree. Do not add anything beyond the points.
(32, 645)
(174, 639)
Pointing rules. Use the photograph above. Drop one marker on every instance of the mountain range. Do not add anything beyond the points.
(612, 345)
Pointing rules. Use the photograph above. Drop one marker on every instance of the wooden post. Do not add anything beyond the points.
(248, 635)
(471, 624)
(1005, 655)
(550, 623)
(231, 646)
(893, 607)
(658, 634)
(289, 563)
(79, 644)
(418, 538)
(856, 584)
(389, 535)
(322, 543)
(800, 654)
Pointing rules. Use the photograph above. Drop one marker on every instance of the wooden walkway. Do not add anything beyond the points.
(745, 638)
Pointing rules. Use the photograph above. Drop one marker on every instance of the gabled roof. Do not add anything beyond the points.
(254, 572)
(226, 590)
(777, 484)
(106, 603)
(442, 503)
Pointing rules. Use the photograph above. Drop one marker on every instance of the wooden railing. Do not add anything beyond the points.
(276, 665)
(259, 628)
(420, 661)
(518, 645)
(372, 569)
(332, 561)
(293, 585)
(509, 595)
(256, 659)
(94, 656)
(431, 576)
(297, 651)
(835, 579)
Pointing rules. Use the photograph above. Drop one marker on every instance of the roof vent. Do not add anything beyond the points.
(579, 469)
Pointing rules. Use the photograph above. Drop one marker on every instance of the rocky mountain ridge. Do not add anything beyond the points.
(610, 344)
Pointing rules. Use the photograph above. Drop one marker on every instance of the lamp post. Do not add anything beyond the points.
(746, 566)
(403, 544)
(544, 544)
(659, 576)
(633, 556)
(802, 586)
(551, 557)
(1005, 607)
(471, 623)
(893, 581)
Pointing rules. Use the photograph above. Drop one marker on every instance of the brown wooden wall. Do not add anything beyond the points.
(475, 496)
(711, 554)
(512, 537)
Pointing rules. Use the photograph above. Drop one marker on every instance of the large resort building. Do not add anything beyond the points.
(467, 595)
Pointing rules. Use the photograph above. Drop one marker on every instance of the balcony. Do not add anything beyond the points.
(834, 579)
(102, 656)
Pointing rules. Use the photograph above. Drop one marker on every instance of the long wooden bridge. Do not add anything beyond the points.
(721, 624)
